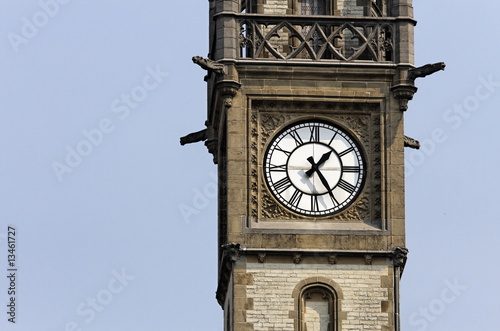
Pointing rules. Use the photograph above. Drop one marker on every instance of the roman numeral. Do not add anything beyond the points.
(283, 151)
(296, 197)
(296, 137)
(347, 151)
(346, 186)
(314, 137)
(351, 169)
(331, 140)
(282, 184)
(335, 202)
(278, 168)
(314, 203)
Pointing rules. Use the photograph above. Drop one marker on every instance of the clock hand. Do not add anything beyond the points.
(315, 166)
(325, 183)
(324, 158)
(327, 186)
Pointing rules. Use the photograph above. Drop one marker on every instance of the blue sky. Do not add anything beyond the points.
(102, 242)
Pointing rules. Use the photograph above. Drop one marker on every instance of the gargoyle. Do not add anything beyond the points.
(423, 71)
(412, 143)
(194, 137)
(209, 65)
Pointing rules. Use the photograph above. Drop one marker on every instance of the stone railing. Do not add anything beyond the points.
(316, 38)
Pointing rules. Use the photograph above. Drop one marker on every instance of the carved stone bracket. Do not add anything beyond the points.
(332, 259)
(228, 95)
(297, 258)
(368, 259)
(404, 93)
(230, 253)
(261, 257)
(228, 90)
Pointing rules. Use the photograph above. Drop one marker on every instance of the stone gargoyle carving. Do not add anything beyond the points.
(194, 137)
(412, 143)
(426, 70)
(209, 65)
(399, 255)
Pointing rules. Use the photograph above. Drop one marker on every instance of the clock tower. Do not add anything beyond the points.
(306, 100)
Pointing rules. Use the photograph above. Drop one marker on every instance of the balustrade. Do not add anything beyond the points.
(316, 38)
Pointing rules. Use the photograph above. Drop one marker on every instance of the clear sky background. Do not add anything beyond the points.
(101, 242)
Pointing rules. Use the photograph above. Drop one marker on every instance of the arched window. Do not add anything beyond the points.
(318, 309)
(318, 305)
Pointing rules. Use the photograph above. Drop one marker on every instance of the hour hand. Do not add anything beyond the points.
(324, 158)
(314, 166)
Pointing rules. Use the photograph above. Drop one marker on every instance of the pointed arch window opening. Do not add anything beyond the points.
(313, 7)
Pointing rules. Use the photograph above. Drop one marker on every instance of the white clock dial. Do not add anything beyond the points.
(314, 168)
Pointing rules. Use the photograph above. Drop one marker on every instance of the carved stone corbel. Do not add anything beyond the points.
(368, 259)
(261, 257)
(332, 259)
(404, 93)
(297, 258)
(228, 92)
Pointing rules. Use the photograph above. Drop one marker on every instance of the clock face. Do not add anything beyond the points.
(314, 168)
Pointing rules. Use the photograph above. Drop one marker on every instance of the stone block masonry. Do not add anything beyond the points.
(363, 294)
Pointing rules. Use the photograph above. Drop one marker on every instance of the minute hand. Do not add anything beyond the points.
(324, 182)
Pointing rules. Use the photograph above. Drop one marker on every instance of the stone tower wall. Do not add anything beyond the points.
(267, 288)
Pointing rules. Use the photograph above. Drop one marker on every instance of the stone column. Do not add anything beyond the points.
(226, 29)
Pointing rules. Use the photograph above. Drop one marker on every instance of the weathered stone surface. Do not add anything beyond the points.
(254, 96)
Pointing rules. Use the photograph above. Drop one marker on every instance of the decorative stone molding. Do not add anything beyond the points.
(268, 116)
(316, 38)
